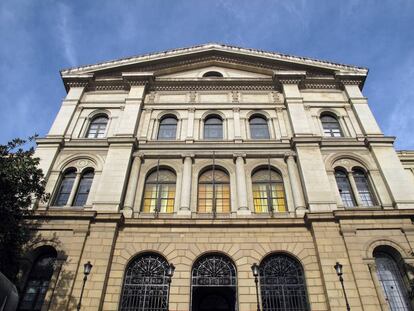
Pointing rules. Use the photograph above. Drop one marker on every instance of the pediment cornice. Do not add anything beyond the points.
(258, 58)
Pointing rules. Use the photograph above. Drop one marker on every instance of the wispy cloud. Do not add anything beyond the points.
(65, 34)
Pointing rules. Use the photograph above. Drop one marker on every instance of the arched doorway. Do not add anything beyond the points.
(213, 284)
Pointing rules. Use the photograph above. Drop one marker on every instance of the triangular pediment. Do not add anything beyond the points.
(192, 62)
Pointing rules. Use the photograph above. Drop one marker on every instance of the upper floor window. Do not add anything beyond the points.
(331, 127)
(268, 192)
(74, 188)
(159, 192)
(214, 192)
(97, 128)
(344, 188)
(213, 127)
(84, 187)
(363, 187)
(38, 281)
(65, 187)
(259, 128)
(168, 128)
(212, 74)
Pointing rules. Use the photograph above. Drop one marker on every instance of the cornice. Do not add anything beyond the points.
(379, 140)
(265, 55)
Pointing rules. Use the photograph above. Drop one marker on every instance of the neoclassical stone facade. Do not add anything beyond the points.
(210, 159)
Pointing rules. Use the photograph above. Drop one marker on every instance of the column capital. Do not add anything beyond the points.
(236, 109)
(191, 109)
(140, 155)
(289, 155)
(239, 155)
(188, 155)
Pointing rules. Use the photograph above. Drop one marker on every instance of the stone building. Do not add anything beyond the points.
(173, 173)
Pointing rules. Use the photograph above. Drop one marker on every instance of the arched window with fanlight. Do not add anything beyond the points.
(282, 284)
(97, 127)
(331, 126)
(84, 188)
(268, 191)
(146, 284)
(259, 128)
(364, 188)
(159, 192)
(168, 128)
(214, 191)
(389, 267)
(344, 188)
(213, 127)
(37, 284)
(65, 187)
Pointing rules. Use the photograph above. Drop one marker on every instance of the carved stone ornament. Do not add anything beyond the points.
(235, 96)
(193, 97)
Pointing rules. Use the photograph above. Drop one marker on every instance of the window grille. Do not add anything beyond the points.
(167, 129)
(392, 283)
(331, 127)
(214, 270)
(146, 284)
(282, 284)
(259, 128)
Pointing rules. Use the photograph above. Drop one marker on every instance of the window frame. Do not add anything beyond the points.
(348, 184)
(214, 191)
(205, 125)
(63, 176)
(82, 178)
(159, 188)
(266, 123)
(91, 123)
(330, 132)
(160, 125)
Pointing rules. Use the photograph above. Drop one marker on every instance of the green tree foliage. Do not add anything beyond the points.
(21, 184)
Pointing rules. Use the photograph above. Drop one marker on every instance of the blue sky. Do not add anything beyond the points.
(40, 37)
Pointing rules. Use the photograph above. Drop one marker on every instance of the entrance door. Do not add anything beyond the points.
(214, 284)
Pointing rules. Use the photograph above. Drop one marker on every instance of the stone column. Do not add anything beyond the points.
(190, 125)
(74, 189)
(132, 186)
(186, 185)
(237, 125)
(241, 184)
(297, 192)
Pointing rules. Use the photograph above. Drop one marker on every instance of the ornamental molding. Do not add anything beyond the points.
(212, 87)
(259, 55)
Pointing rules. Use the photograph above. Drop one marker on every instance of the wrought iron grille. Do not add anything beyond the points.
(146, 284)
(392, 282)
(282, 284)
(214, 270)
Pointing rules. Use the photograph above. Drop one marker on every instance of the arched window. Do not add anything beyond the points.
(344, 188)
(65, 188)
(282, 284)
(213, 127)
(168, 128)
(84, 187)
(212, 74)
(331, 127)
(97, 127)
(38, 281)
(213, 283)
(146, 284)
(214, 192)
(363, 187)
(392, 281)
(268, 191)
(259, 128)
(159, 193)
